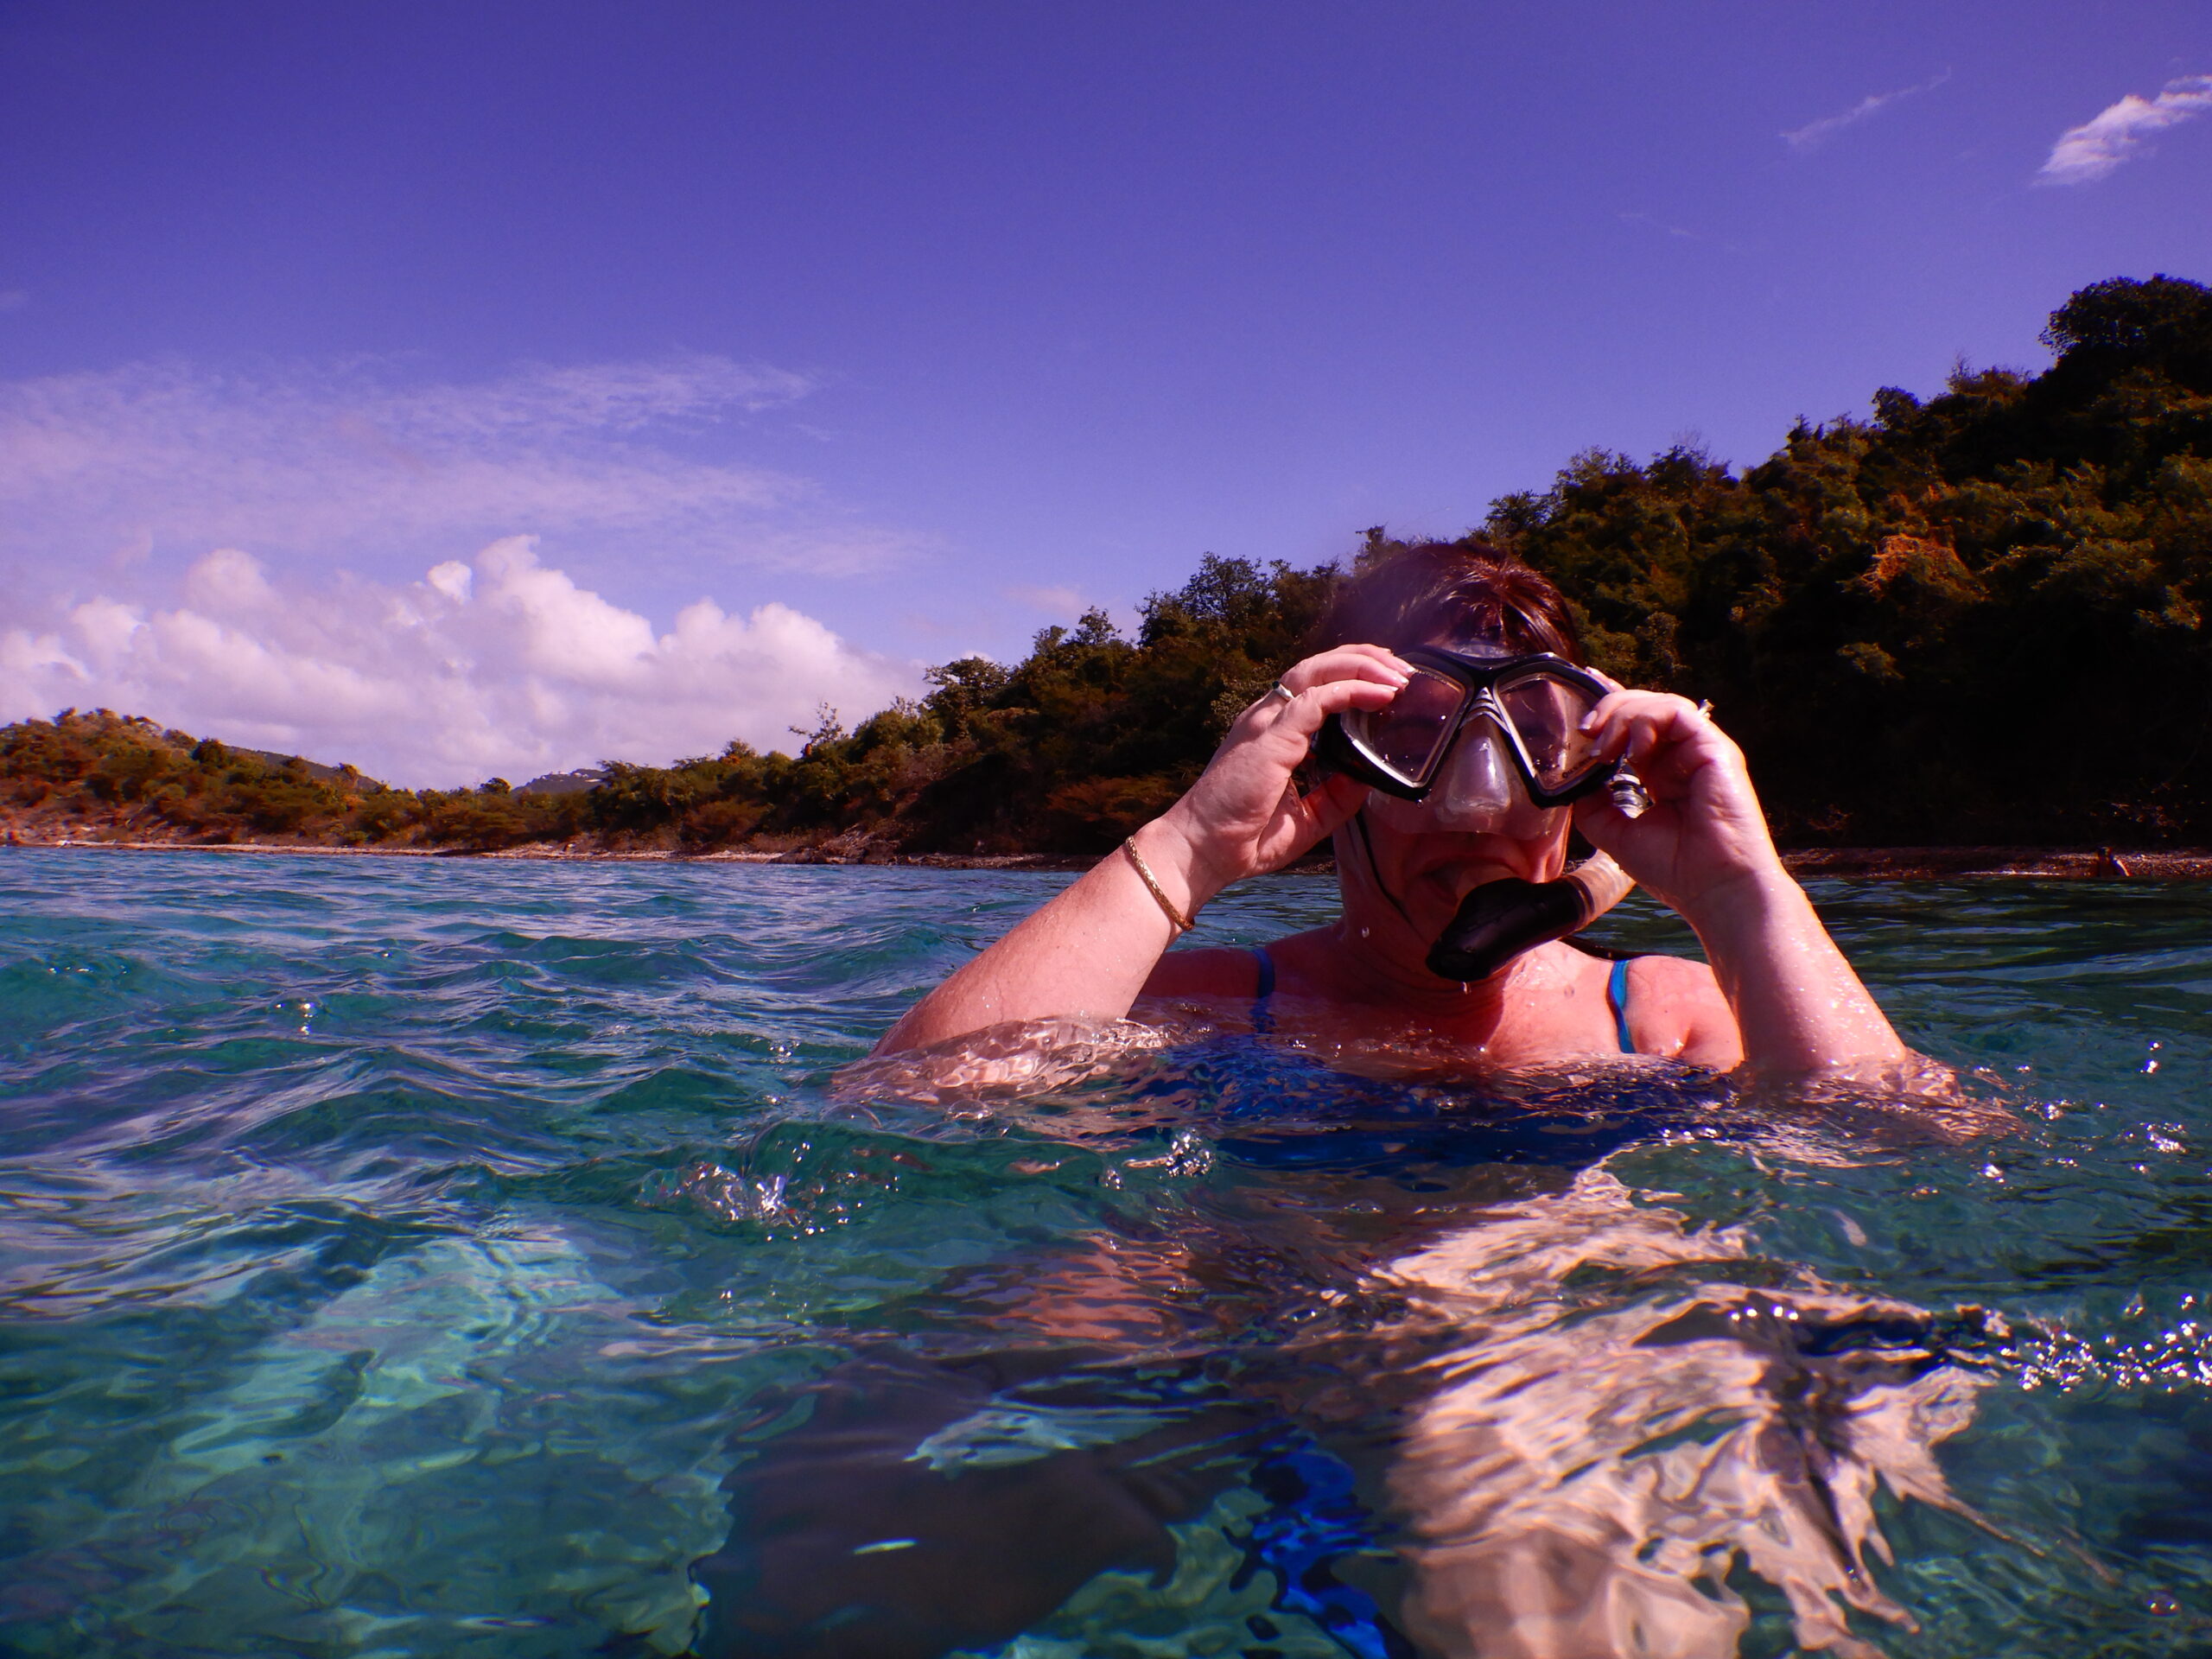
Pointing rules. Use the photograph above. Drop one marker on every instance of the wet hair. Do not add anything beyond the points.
(1434, 590)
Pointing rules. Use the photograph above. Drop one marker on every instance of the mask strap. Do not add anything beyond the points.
(1359, 823)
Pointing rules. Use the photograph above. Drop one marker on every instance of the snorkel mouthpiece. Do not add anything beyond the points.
(1501, 920)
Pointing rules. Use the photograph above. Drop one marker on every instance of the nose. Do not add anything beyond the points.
(1479, 792)
(1478, 789)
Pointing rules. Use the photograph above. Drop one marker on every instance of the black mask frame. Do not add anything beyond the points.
(1478, 679)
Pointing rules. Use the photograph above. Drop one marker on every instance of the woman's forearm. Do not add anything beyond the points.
(1701, 844)
(1801, 1009)
(1085, 955)
(1089, 952)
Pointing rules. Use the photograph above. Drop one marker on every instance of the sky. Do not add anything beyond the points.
(501, 388)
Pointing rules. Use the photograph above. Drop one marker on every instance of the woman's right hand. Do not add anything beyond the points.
(1088, 953)
(1244, 816)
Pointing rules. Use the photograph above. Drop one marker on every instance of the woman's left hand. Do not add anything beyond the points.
(1704, 834)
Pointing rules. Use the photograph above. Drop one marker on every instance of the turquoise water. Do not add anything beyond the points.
(410, 1256)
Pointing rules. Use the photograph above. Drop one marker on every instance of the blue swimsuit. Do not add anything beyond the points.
(1615, 996)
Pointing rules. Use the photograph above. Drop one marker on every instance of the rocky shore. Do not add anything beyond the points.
(1856, 863)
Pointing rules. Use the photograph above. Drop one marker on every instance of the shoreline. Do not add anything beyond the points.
(1853, 863)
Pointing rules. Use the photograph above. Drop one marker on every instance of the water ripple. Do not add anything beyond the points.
(426, 1257)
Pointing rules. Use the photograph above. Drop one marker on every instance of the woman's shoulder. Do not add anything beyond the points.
(1675, 1009)
(1668, 974)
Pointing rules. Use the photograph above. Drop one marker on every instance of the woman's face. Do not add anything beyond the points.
(1475, 825)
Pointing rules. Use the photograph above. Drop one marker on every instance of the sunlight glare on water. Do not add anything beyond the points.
(427, 1258)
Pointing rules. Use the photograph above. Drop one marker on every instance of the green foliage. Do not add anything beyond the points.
(1074, 748)
(126, 778)
(1978, 617)
(130, 777)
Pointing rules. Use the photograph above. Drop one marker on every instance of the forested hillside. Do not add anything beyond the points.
(1974, 618)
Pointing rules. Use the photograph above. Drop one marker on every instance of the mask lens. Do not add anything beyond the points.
(1406, 737)
(1546, 716)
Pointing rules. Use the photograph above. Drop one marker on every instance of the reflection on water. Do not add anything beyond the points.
(423, 1259)
(1589, 1475)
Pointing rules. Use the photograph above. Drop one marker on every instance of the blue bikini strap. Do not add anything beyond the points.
(1261, 1019)
(1617, 998)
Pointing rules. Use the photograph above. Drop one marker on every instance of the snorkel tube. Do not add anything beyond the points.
(1501, 920)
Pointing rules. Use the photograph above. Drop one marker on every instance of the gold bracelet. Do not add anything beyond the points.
(1183, 924)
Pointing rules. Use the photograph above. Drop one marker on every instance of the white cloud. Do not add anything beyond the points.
(1814, 134)
(622, 460)
(2098, 145)
(408, 575)
(506, 667)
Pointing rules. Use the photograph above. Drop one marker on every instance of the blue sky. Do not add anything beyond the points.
(893, 332)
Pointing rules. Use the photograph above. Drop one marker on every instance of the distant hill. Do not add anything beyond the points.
(344, 777)
(564, 783)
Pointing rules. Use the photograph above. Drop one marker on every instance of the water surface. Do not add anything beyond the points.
(408, 1256)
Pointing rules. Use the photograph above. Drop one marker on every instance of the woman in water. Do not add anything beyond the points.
(1407, 667)
(1569, 1479)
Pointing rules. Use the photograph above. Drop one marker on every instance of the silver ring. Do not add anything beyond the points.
(1279, 690)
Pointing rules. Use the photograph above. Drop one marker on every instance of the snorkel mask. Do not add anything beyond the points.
(1486, 744)
(1423, 743)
